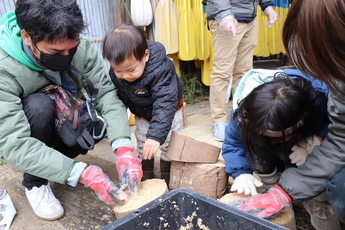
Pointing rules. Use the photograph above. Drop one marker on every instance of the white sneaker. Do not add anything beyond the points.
(44, 203)
(219, 130)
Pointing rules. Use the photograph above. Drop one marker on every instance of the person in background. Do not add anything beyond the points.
(149, 86)
(234, 32)
(313, 36)
(39, 41)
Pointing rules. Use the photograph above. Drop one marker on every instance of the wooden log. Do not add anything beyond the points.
(286, 218)
(187, 149)
(208, 179)
(148, 190)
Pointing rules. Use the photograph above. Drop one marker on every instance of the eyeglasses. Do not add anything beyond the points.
(279, 139)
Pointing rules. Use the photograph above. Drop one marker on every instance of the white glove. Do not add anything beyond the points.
(301, 151)
(228, 25)
(272, 16)
(246, 183)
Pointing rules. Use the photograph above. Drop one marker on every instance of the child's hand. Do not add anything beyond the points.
(246, 183)
(150, 148)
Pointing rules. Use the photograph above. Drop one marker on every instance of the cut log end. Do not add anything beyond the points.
(148, 190)
(187, 149)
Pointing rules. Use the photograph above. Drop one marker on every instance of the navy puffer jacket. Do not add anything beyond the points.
(155, 95)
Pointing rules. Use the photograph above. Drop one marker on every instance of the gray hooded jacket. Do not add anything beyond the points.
(243, 10)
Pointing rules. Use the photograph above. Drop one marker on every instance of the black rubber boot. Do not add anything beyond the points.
(147, 166)
(165, 170)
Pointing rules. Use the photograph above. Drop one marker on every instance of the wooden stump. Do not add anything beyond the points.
(208, 179)
(187, 149)
(148, 191)
(286, 218)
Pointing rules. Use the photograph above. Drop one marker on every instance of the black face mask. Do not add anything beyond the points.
(56, 62)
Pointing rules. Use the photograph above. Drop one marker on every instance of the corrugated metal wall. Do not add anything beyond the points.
(6, 5)
(98, 14)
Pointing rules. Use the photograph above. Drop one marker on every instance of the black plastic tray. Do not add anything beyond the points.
(183, 208)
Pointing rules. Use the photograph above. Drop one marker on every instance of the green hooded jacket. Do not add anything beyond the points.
(20, 77)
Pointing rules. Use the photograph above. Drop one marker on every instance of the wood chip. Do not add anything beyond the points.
(148, 190)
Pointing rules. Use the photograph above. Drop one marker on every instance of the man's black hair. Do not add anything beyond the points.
(50, 20)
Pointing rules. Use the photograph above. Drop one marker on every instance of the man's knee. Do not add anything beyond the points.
(336, 193)
(39, 107)
(40, 112)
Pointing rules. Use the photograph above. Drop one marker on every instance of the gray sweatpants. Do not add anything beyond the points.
(143, 126)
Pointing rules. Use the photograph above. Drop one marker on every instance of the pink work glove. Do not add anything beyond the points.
(265, 205)
(105, 189)
(272, 16)
(129, 168)
(228, 25)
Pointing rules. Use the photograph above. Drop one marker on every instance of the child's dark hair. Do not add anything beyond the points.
(122, 42)
(276, 106)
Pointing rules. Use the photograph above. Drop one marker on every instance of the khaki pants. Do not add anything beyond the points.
(233, 57)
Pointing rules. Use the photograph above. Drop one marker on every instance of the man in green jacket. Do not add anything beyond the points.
(38, 43)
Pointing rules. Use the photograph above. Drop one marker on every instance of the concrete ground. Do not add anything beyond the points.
(83, 210)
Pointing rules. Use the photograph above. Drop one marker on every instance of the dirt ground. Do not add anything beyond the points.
(83, 210)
